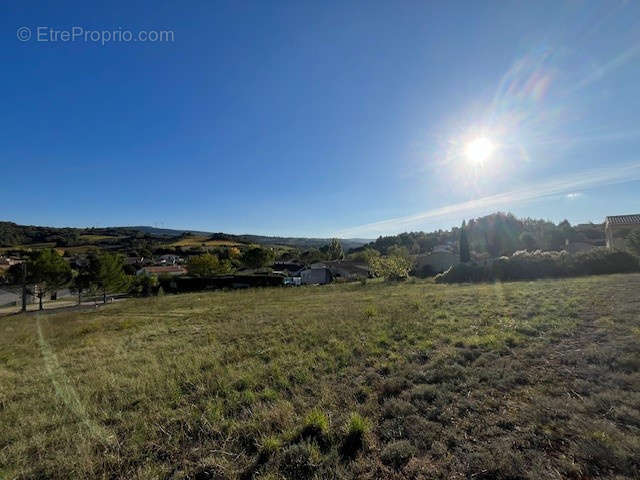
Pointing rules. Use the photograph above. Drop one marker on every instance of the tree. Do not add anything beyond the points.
(390, 267)
(398, 251)
(82, 281)
(17, 275)
(465, 255)
(48, 271)
(206, 265)
(335, 251)
(528, 241)
(633, 243)
(257, 257)
(364, 255)
(144, 285)
(108, 273)
(312, 255)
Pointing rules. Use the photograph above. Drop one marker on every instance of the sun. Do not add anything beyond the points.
(479, 149)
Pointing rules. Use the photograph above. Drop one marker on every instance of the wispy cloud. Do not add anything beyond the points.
(573, 195)
(556, 186)
(608, 67)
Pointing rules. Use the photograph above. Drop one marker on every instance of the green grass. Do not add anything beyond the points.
(495, 381)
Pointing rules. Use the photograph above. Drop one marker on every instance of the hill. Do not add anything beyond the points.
(12, 235)
(377, 381)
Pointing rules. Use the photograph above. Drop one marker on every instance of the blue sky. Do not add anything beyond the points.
(319, 118)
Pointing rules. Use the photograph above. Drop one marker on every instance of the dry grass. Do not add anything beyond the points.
(203, 241)
(504, 381)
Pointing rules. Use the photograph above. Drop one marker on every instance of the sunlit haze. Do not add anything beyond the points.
(479, 149)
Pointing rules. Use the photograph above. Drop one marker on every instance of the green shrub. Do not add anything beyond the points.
(393, 267)
(397, 454)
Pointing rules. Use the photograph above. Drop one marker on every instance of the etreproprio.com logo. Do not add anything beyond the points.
(44, 34)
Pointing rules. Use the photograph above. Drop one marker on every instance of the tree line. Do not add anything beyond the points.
(46, 271)
(495, 235)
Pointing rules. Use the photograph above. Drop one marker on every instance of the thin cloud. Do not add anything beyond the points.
(556, 186)
(611, 65)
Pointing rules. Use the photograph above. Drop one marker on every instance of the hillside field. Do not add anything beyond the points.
(524, 380)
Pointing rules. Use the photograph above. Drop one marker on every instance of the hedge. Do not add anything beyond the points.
(524, 265)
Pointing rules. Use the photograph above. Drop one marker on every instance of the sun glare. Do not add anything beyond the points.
(479, 149)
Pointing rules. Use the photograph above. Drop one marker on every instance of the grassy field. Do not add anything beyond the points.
(497, 381)
(203, 241)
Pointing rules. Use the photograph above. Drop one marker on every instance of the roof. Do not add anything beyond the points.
(167, 269)
(348, 267)
(624, 219)
(287, 267)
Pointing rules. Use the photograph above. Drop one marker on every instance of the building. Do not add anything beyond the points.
(162, 270)
(346, 269)
(287, 268)
(8, 261)
(618, 227)
(170, 259)
(315, 275)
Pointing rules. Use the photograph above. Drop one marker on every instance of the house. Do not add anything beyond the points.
(163, 270)
(135, 261)
(315, 275)
(8, 261)
(287, 269)
(169, 259)
(346, 269)
(618, 227)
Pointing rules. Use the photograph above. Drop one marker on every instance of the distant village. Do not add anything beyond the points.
(193, 269)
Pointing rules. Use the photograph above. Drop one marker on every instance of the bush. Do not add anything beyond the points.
(300, 460)
(393, 267)
(525, 265)
(206, 265)
(316, 426)
(396, 408)
(355, 430)
(144, 285)
(397, 454)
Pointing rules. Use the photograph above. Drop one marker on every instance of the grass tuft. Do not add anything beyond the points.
(355, 430)
(315, 426)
